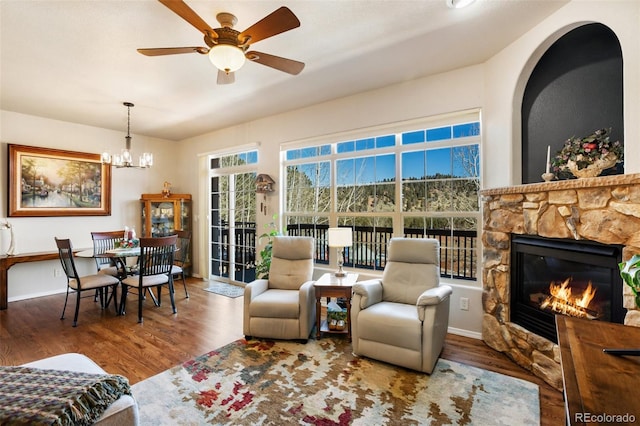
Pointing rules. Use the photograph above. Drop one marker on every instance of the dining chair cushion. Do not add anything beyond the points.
(109, 270)
(93, 281)
(148, 281)
(175, 269)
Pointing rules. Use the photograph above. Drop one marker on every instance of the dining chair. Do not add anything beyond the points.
(103, 241)
(77, 283)
(181, 259)
(155, 262)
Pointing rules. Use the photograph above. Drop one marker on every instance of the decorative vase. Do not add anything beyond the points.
(594, 169)
(5, 240)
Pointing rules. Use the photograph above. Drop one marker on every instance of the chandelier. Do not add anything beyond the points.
(124, 159)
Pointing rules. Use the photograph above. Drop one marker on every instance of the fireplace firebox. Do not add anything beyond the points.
(563, 277)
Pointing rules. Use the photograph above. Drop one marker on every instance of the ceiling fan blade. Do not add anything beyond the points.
(283, 64)
(224, 78)
(185, 12)
(159, 51)
(277, 22)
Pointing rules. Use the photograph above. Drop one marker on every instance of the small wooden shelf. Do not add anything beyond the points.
(324, 327)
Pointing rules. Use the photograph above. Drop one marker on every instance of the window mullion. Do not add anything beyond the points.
(443, 185)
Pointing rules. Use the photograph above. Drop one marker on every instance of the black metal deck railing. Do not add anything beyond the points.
(458, 249)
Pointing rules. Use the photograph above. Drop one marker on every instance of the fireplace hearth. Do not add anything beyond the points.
(563, 277)
(604, 210)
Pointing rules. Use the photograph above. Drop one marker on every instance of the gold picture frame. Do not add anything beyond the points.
(52, 182)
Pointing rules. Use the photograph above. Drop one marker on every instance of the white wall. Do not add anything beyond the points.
(508, 71)
(36, 234)
(453, 91)
(495, 87)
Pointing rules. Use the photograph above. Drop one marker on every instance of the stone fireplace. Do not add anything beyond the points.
(604, 210)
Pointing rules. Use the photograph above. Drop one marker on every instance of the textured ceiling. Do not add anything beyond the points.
(76, 60)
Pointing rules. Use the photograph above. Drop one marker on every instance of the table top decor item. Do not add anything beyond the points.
(126, 243)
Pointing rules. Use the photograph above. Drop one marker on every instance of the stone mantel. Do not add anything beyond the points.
(559, 185)
(604, 209)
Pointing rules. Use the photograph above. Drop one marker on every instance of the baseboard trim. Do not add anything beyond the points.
(34, 295)
(465, 333)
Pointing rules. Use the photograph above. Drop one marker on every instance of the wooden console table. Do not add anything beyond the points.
(597, 384)
(7, 262)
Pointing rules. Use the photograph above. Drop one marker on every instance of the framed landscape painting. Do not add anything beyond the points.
(53, 182)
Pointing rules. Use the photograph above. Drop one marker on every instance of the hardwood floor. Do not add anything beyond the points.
(31, 330)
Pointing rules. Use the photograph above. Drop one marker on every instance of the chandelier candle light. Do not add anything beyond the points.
(124, 159)
(341, 238)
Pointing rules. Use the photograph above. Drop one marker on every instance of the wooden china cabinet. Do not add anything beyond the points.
(163, 216)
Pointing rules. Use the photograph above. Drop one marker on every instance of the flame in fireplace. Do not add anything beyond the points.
(562, 301)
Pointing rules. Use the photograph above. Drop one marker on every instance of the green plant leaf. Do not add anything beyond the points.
(264, 264)
(630, 274)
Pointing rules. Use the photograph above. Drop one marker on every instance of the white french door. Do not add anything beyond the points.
(233, 226)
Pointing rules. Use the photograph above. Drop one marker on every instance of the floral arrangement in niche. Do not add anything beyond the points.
(594, 150)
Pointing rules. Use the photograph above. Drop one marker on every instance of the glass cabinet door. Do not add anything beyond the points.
(143, 229)
(162, 215)
(185, 217)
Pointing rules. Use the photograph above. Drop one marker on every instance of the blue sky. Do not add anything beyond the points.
(377, 168)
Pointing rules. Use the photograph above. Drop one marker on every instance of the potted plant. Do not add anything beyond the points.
(264, 264)
(630, 273)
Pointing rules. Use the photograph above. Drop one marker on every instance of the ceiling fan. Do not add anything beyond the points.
(227, 47)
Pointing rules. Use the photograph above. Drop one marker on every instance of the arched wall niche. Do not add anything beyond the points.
(573, 89)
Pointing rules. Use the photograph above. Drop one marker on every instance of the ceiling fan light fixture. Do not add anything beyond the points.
(459, 4)
(227, 57)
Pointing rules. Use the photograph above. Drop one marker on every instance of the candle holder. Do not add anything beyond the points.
(548, 177)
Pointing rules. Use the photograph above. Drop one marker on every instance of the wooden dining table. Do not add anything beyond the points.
(119, 256)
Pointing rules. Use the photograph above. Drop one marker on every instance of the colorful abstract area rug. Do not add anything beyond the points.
(263, 382)
(225, 289)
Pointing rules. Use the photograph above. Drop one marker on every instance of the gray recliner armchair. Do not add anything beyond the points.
(402, 318)
(284, 305)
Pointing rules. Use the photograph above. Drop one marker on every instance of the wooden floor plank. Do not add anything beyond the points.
(32, 329)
